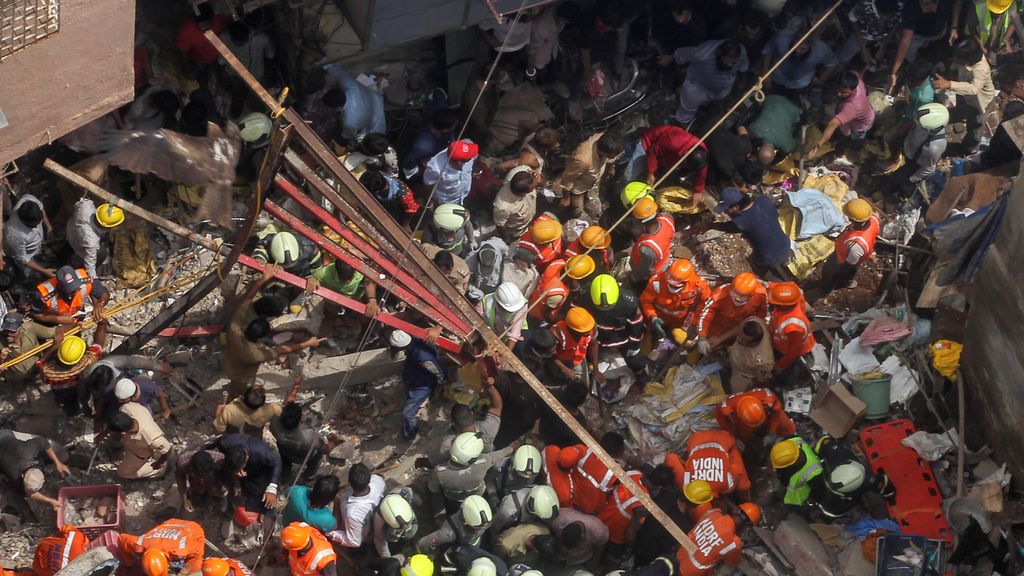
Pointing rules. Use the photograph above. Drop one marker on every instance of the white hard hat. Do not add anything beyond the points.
(476, 512)
(482, 566)
(932, 116)
(125, 389)
(400, 339)
(509, 297)
(397, 512)
(254, 127)
(847, 477)
(526, 460)
(284, 248)
(450, 217)
(532, 572)
(466, 447)
(542, 501)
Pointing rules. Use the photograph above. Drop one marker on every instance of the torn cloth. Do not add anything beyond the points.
(818, 213)
(884, 329)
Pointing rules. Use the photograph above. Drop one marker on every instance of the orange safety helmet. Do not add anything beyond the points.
(595, 237)
(579, 320)
(645, 209)
(753, 512)
(784, 294)
(296, 537)
(155, 562)
(216, 567)
(680, 272)
(750, 411)
(545, 230)
(580, 266)
(745, 284)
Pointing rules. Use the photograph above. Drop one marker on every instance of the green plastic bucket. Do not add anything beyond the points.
(873, 389)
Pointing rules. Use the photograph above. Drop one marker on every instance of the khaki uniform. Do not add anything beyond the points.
(143, 448)
(242, 358)
(751, 365)
(460, 271)
(237, 417)
(31, 335)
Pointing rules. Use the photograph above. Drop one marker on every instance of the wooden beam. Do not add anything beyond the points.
(392, 230)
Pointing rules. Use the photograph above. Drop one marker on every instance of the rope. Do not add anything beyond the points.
(127, 303)
(757, 90)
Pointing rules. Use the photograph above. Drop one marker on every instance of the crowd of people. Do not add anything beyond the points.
(571, 254)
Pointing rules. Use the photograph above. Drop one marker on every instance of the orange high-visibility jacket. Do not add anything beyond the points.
(777, 421)
(180, 539)
(545, 253)
(791, 334)
(866, 238)
(659, 244)
(55, 552)
(51, 296)
(319, 556)
(676, 309)
(720, 313)
(549, 285)
(571, 350)
(711, 455)
(715, 537)
(618, 512)
(592, 482)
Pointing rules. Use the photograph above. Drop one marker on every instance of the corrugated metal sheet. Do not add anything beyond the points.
(380, 23)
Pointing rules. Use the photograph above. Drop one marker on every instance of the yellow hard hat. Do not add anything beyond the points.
(635, 191)
(595, 237)
(645, 209)
(698, 492)
(71, 350)
(109, 215)
(545, 230)
(579, 319)
(784, 453)
(580, 266)
(604, 291)
(418, 565)
(998, 6)
(858, 210)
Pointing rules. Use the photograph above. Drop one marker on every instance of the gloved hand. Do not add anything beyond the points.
(703, 346)
(657, 329)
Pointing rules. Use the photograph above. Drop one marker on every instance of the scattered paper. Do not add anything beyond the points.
(930, 446)
(799, 400)
(856, 358)
(903, 385)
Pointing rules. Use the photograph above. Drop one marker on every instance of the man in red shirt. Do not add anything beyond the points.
(191, 42)
(665, 145)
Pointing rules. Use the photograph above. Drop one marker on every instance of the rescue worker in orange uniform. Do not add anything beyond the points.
(716, 540)
(544, 240)
(173, 546)
(552, 291)
(225, 567)
(309, 551)
(653, 247)
(723, 314)
(621, 515)
(55, 552)
(789, 327)
(712, 455)
(60, 298)
(752, 412)
(579, 478)
(673, 298)
(598, 241)
(575, 341)
(854, 246)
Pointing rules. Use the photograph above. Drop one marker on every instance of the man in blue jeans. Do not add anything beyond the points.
(422, 372)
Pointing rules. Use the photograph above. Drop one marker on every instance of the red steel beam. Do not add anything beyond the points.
(352, 304)
(379, 259)
(368, 271)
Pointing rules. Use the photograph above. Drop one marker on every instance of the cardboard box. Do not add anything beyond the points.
(838, 410)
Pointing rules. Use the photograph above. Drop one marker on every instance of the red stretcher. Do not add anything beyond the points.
(917, 506)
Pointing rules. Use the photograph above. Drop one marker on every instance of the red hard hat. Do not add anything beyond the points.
(784, 294)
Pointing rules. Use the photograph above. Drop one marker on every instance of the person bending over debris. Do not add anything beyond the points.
(313, 505)
(309, 552)
(716, 538)
(854, 246)
(146, 449)
(295, 439)
(198, 476)
(20, 466)
(250, 413)
(255, 472)
(55, 552)
(225, 567)
(172, 547)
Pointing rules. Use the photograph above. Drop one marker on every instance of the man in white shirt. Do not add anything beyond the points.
(450, 172)
(84, 234)
(355, 509)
